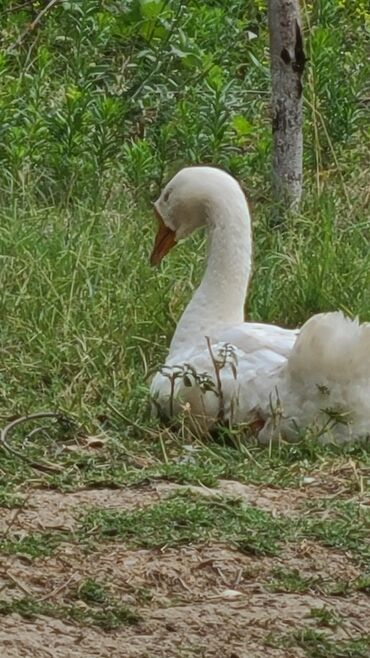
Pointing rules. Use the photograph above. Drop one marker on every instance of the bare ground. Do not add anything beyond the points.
(207, 600)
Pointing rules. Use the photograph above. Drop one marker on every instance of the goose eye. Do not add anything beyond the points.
(166, 195)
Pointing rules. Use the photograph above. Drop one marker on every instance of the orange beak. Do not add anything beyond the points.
(164, 241)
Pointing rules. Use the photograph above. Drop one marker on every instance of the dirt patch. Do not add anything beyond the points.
(217, 626)
(199, 601)
(277, 501)
(44, 510)
(50, 638)
(206, 600)
(191, 573)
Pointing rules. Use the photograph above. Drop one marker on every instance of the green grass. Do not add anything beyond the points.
(293, 581)
(290, 580)
(325, 616)
(187, 519)
(108, 617)
(34, 545)
(9, 499)
(84, 318)
(92, 592)
(317, 644)
(135, 460)
(344, 525)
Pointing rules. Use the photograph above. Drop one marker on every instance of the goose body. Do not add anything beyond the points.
(220, 368)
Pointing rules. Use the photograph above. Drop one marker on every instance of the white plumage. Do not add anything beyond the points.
(220, 368)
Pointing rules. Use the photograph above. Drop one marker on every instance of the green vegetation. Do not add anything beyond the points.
(135, 460)
(325, 616)
(344, 525)
(92, 592)
(187, 519)
(108, 617)
(33, 545)
(190, 518)
(100, 102)
(317, 644)
(290, 580)
(9, 499)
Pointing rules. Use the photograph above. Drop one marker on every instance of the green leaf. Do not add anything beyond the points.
(215, 77)
(241, 125)
(150, 8)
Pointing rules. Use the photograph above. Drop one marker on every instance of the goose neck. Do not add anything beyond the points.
(219, 300)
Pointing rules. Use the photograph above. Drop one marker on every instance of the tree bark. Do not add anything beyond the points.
(287, 63)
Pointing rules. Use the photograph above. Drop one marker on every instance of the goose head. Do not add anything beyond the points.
(185, 204)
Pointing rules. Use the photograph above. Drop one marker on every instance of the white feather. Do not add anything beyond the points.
(220, 368)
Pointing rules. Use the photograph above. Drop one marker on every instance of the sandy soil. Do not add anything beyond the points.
(207, 600)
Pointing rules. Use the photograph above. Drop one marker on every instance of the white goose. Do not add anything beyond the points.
(220, 368)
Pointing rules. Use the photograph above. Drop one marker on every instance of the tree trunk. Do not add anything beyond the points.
(287, 64)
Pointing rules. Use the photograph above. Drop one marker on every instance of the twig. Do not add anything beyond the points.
(57, 590)
(128, 420)
(32, 25)
(15, 515)
(41, 466)
(19, 584)
(32, 433)
(217, 368)
(9, 10)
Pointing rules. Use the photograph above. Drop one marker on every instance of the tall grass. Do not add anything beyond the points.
(97, 107)
(84, 317)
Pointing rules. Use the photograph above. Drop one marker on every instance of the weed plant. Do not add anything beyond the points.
(99, 103)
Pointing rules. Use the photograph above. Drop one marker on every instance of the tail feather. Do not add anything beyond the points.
(331, 347)
(327, 377)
